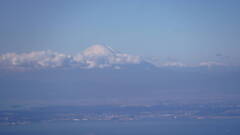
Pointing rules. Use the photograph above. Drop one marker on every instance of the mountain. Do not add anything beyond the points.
(99, 50)
(100, 56)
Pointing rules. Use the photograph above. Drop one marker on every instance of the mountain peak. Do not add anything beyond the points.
(99, 50)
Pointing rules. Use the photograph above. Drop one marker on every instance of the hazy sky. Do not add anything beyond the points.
(185, 30)
(176, 31)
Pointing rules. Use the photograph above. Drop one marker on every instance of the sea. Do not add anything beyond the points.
(148, 127)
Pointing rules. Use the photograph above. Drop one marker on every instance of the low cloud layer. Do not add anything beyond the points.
(96, 56)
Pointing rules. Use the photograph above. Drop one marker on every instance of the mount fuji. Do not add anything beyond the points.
(101, 56)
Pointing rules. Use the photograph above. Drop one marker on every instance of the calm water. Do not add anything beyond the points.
(165, 127)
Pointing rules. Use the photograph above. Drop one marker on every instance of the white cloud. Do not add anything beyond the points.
(174, 64)
(211, 63)
(94, 57)
(161, 63)
(36, 59)
(201, 64)
(97, 56)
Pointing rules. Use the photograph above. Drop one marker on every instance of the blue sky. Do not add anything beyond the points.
(184, 30)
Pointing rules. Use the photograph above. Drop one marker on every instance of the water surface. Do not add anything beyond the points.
(164, 127)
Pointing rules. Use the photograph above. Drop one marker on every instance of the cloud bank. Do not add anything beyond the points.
(97, 56)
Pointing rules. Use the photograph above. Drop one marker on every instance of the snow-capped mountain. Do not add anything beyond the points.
(96, 56)
(99, 50)
(103, 56)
